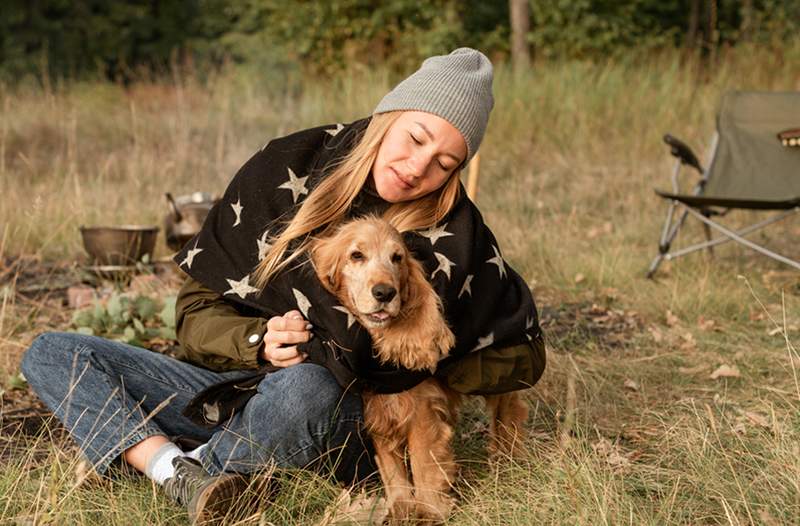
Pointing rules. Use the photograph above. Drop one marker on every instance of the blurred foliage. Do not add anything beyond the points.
(136, 320)
(129, 39)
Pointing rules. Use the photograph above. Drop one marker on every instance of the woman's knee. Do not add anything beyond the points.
(305, 392)
(50, 350)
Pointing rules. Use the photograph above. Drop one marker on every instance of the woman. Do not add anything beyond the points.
(249, 302)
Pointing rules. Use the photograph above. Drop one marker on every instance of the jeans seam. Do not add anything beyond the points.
(162, 380)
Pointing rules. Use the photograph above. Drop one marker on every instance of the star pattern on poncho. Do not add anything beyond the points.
(302, 302)
(444, 265)
(190, 255)
(335, 131)
(467, 286)
(435, 232)
(296, 184)
(263, 245)
(528, 326)
(237, 209)
(350, 318)
(241, 288)
(485, 341)
(498, 260)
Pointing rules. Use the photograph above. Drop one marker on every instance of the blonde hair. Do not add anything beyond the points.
(328, 203)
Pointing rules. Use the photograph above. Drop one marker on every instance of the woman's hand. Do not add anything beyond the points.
(282, 336)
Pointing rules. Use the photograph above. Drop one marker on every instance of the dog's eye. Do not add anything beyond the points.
(397, 258)
(357, 256)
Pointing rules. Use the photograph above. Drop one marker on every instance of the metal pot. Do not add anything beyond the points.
(119, 245)
(185, 218)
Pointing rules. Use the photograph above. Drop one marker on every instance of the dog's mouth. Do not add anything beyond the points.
(380, 317)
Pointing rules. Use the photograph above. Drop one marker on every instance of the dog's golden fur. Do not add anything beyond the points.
(367, 266)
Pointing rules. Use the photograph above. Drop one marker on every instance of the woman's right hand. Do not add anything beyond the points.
(282, 336)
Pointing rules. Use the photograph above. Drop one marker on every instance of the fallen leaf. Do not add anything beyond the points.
(689, 343)
(672, 320)
(706, 324)
(757, 418)
(632, 385)
(725, 371)
(657, 335)
(579, 278)
(359, 509)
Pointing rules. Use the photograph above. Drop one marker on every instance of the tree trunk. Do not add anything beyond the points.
(520, 25)
(746, 25)
(694, 23)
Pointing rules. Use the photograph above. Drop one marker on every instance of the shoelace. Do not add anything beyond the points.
(186, 481)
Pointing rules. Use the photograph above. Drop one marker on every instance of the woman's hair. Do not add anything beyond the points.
(328, 203)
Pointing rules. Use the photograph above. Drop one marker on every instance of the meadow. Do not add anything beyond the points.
(629, 424)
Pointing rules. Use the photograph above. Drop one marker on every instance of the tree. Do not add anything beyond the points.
(520, 25)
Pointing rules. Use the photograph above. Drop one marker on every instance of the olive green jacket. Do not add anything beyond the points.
(221, 336)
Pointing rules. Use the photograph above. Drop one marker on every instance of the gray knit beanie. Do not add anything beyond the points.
(456, 87)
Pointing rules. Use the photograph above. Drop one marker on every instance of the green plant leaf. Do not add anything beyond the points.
(114, 306)
(17, 381)
(167, 314)
(138, 325)
(85, 330)
(145, 307)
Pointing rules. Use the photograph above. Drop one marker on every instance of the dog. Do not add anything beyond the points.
(368, 267)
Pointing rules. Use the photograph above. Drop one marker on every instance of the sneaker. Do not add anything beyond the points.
(207, 497)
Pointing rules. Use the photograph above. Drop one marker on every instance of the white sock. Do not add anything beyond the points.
(195, 453)
(159, 467)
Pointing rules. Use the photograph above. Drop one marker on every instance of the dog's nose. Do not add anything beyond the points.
(383, 292)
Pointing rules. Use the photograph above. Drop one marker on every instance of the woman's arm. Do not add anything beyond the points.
(213, 333)
(495, 371)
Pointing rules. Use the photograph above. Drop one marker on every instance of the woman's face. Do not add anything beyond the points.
(417, 155)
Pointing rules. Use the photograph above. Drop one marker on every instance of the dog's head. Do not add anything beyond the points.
(366, 264)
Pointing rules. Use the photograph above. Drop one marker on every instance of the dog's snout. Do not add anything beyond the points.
(383, 292)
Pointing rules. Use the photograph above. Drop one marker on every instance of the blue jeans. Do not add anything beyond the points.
(111, 396)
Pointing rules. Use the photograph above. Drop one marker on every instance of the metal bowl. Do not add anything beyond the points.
(119, 245)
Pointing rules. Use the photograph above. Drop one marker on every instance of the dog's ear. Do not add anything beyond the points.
(417, 286)
(327, 257)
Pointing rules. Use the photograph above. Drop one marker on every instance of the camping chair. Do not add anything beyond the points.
(754, 165)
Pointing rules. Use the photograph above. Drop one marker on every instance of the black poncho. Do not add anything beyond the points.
(485, 302)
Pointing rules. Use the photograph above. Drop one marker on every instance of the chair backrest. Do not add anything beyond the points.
(750, 161)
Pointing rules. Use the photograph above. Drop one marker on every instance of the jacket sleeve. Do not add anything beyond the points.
(496, 371)
(214, 333)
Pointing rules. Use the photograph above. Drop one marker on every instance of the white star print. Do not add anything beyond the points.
(467, 287)
(444, 265)
(350, 318)
(190, 256)
(528, 325)
(237, 209)
(241, 288)
(485, 341)
(434, 233)
(296, 184)
(302, 302)
(263, 246)
(497, 260)
(334, 132)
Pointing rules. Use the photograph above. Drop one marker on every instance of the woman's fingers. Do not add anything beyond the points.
(290, 337)
(283, 356)
(283, 323)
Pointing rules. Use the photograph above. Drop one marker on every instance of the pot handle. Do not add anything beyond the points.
(173, 207)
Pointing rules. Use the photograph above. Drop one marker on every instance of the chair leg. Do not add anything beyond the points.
(654, 265)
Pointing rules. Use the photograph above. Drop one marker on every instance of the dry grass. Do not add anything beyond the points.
(567, 168)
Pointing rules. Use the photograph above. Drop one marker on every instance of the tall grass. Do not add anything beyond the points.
(567, 169)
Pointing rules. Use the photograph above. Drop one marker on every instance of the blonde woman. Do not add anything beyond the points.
(271, 366)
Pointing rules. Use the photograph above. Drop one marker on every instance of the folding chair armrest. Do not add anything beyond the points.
(683, 152)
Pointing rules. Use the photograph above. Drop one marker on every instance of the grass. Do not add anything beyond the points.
(568, 165)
